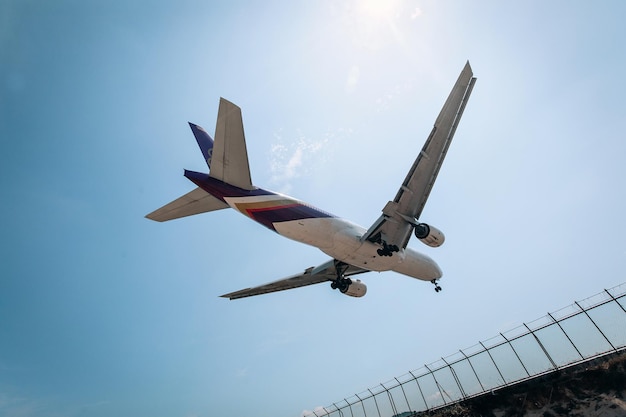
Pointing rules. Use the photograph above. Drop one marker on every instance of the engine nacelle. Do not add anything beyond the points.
(429, 235)
(355, 289)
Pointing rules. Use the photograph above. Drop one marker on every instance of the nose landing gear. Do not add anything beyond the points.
(437, 287)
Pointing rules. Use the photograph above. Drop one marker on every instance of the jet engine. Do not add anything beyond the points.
(355, 289)
(429, 235)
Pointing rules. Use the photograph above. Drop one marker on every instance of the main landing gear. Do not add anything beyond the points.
(437, 287)
(341, 283)
(387, 250)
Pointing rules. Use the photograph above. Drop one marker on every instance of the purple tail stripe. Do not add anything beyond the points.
(205, 142)
(267, 216)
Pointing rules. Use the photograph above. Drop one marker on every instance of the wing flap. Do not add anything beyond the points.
(194, 202)
(313, 275)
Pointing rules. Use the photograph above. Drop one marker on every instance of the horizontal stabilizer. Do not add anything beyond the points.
(195, 202)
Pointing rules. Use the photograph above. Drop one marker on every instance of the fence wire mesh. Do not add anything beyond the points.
(582, 331)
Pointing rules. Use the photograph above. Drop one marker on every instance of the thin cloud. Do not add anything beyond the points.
(289, 161)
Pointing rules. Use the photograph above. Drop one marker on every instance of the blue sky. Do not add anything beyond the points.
(103, 312)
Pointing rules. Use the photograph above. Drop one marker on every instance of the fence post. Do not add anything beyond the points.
(350, 406)
(362, 405)
(566, 335)
(594, 323)
(494, 363)
(420, 388)
(403, 393)
(514, 351)
(542, 347)
(456, 378)
(441, 390)
(473, 370)
(375, 402)
(615, 299)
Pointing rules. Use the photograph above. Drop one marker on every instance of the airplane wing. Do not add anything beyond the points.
(313, 275)
(399, 216)
(194, 202)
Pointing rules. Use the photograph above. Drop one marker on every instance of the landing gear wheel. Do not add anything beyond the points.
(437, 287)
(341, 283)
(387, 250)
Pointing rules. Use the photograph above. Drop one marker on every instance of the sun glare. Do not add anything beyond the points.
(374, 22)
(379, 9)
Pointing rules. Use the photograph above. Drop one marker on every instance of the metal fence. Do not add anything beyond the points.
(584, 330)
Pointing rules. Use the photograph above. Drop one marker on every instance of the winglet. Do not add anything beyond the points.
(204, 142)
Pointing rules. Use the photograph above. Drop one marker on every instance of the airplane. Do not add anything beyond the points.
(353, 250)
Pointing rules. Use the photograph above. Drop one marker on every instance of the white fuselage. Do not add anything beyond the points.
(341, 240)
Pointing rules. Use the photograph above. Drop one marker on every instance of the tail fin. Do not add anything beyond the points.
(229, 162)
(227, 159)
(204, 142)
